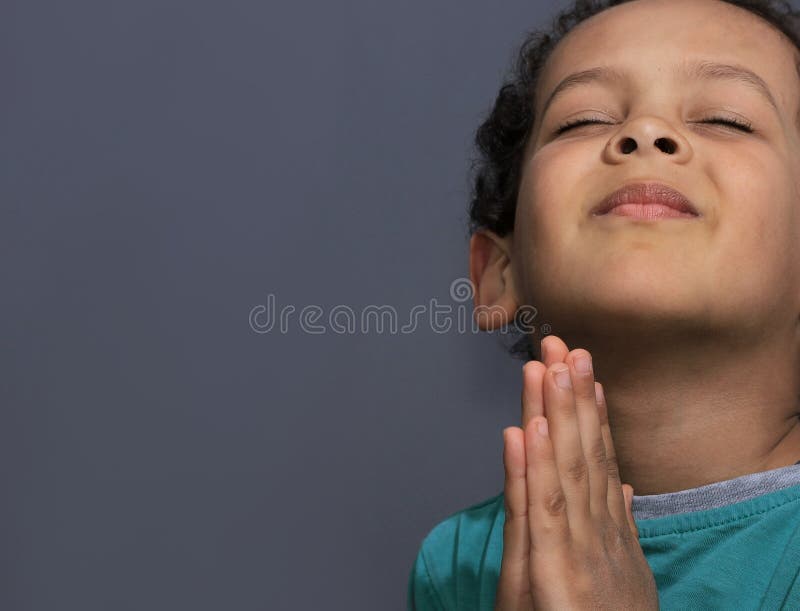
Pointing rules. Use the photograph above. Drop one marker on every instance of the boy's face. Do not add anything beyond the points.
(740, 259)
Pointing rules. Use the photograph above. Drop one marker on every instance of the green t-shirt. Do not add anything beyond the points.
(741, 552)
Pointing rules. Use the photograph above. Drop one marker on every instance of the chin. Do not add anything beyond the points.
(622, 301)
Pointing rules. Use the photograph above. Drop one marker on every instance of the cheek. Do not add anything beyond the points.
(759, 195)
(553, 189)
(757, 222)
(552, 196)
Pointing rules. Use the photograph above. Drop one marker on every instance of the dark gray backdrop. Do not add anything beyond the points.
(166, 166)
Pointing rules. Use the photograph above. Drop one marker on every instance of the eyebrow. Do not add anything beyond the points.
(702, 70)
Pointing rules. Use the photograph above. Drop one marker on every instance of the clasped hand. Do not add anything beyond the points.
(569, 540)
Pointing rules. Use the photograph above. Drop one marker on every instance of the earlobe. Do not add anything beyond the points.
(491, 272)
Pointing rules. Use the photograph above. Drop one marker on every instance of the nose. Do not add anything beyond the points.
(647, 137)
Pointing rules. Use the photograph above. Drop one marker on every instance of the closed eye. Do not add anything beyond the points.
(577, 123)
(740, 125)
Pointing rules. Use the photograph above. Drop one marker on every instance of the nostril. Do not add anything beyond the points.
(628, 145)
(666, 145)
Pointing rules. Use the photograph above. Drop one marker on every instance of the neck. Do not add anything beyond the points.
(700, 411)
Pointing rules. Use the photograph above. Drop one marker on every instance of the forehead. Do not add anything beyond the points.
(653, 38)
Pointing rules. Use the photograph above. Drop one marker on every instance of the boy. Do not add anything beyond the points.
(639, 185)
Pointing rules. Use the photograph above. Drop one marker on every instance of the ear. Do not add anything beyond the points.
(491, 272)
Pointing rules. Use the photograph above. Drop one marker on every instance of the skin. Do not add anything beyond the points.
(569, 537)
(692, 325)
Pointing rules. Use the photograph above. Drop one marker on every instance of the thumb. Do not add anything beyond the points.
(627, 491)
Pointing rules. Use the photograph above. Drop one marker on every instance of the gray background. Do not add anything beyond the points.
(167, 165)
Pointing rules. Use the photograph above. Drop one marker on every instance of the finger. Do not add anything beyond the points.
(547, 506)
(532, 403)
(566, 440)
(628, 490)
(594, 450)
(513, 586)
(553, 349)
(616, 500)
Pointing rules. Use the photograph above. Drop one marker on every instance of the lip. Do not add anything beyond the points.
(647, 200)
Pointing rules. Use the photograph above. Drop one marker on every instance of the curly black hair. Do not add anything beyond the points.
(502, 137)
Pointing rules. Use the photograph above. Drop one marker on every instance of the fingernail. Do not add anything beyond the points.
(541, 426)
(562, 378)
(542, 350)
(583, 364)
(598, 393)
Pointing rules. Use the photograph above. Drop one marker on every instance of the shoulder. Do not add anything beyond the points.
(464, 526)
(459, 558)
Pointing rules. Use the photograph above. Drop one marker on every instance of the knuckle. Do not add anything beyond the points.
(514, 512)
(613, 469)
(577, 470)
(514, 515)
(554, 503)
(597, 453)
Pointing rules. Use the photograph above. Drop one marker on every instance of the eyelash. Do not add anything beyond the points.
(740, 125)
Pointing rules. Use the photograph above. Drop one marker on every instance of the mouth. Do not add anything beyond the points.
(647, 201)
